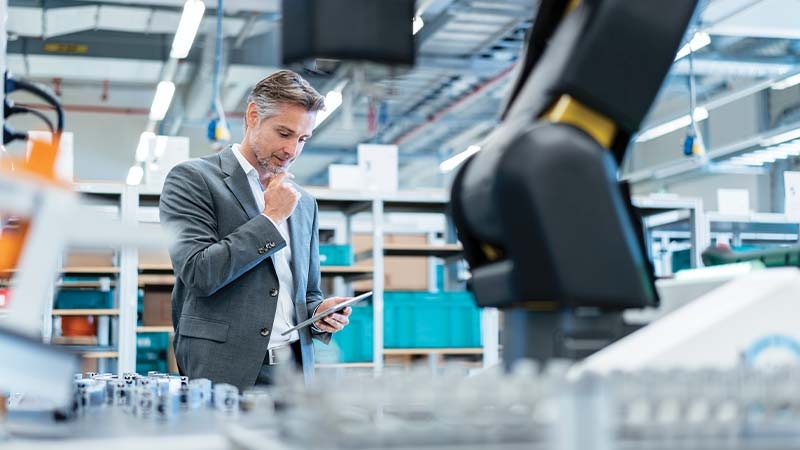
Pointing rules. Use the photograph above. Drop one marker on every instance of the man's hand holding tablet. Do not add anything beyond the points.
(332, 314)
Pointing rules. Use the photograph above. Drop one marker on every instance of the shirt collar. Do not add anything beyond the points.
(248, 168)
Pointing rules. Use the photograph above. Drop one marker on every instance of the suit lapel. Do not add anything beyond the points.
(236, 180)
(299, 228)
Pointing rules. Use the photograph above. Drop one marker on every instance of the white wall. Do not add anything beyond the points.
(725, 125)
(105, 143)
(705, 187)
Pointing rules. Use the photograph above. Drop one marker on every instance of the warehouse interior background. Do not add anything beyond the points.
(115, 53)
(715, 163)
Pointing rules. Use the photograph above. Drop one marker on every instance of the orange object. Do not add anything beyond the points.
(41, 165)
(11, 243)
(5, 295)
(78, 326)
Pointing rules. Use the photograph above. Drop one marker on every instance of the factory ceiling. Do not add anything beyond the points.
(466, 58)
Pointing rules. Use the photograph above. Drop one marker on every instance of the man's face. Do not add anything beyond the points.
(277, 141)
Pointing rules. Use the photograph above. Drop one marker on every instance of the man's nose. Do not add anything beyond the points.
(290, 151)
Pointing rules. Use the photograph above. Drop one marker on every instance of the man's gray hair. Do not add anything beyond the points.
(281, 88)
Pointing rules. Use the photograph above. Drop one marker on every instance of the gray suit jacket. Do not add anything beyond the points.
(226, 287)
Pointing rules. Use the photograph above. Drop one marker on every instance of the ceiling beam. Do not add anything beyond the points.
(99, 44)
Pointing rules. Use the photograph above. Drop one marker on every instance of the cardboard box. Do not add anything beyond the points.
(89, 365)
(400, 273)
(378, 164)
(154, 258)
(89, 258)
(157, 309)
(162, 153)
(345, 177)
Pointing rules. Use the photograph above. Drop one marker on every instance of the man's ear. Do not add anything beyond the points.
(251, 116)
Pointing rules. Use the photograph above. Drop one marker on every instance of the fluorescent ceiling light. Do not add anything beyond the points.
(700, 114)
(143, 149)
(790, 148)
(698, 41)
(333, 100)
(193, 11)
(455, 161)
(745, 161)
(787, 82)
(781, 138)
(417, 24)
(164, 93)
(767, 155)
(135, 174)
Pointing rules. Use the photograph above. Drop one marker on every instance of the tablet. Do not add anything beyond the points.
(328, 312)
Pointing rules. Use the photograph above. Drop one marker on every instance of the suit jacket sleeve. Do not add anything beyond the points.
(313, 291)
(205, 261)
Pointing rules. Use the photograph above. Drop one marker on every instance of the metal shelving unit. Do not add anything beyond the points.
(86, 312)
(110, 198)
(349, 273)
(671, 219)
(422, 201)
(134, 201)
(667, 218)
(754, 227)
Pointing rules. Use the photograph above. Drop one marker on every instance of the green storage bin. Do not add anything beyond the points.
(771, 257)
(681, 260)
(139, 306)
(430, 320)
(440, 277)
(354, 343)
(152, 341)
(144, 355)
(335, 255)
(84, 299)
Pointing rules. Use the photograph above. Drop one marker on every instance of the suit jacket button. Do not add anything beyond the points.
(264, 332)
(261, 251)
(270, 245)
(273, 292)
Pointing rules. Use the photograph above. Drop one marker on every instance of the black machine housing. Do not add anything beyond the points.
(547, 228)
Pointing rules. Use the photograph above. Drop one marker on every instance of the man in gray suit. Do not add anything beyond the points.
(246, 258)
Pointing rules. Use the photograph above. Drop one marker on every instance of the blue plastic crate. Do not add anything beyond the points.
(430, 320)
(152, 341)
(335, 255)
(84, 299)
(150, 355)
(139, 306)
(354, 343)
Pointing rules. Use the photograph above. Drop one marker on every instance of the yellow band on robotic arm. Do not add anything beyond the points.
(492, 253)
(572, 5)
(568, 110)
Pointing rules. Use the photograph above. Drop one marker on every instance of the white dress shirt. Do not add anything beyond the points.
(285, 316)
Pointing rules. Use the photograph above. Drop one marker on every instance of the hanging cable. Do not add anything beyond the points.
(693, 144)
(23, 110)
(9, 109)
(218, 126)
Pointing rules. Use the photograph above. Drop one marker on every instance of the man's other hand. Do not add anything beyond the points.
(336, 321)
(280, 199)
